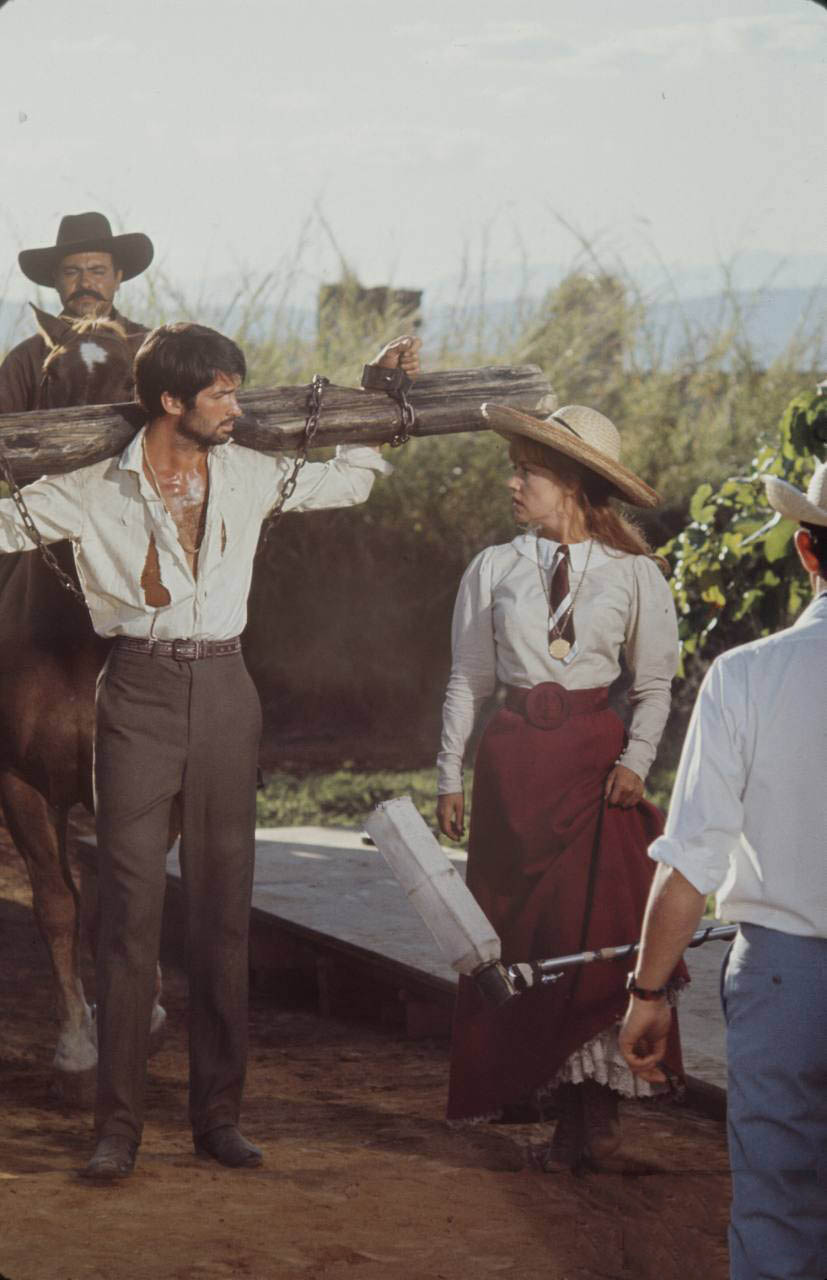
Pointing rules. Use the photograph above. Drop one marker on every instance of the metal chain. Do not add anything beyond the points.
(395, 383)
(33, 531)
(314, 413)
(408, 420)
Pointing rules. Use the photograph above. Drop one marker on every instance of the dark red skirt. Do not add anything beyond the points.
(537, 795)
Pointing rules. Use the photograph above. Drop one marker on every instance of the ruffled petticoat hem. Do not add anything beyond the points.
(600, 1060)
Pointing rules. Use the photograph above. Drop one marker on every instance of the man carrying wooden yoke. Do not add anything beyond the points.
(164, 537)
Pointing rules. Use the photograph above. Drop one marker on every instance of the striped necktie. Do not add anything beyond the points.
(562, 644)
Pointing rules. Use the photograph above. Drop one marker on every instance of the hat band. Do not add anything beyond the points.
(562, 422)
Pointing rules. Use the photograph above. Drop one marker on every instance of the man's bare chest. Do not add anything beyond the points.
(185, 498)
(184, 493)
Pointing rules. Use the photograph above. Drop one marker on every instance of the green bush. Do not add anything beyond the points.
(736, 572)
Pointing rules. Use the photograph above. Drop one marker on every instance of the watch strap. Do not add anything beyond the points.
(645, 993)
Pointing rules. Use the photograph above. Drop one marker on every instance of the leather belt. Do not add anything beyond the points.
(180, 650)
(549, 705)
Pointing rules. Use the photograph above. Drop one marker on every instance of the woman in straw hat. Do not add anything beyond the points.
(557, 853)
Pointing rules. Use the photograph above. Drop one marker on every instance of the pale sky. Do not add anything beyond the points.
(691, 130)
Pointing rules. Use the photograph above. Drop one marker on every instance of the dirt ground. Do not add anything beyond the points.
(362, 1177)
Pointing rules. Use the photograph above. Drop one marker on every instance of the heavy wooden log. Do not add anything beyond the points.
(57, 440)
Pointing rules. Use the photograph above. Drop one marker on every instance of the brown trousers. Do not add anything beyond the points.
(174, 734)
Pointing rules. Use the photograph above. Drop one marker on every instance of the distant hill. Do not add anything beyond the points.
(771, 319)
(770, 322)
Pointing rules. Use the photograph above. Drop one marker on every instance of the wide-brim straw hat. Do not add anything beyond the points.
(87, 233)
(583, 434)
(804, 508)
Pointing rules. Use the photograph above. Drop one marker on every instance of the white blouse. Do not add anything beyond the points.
(500, 634)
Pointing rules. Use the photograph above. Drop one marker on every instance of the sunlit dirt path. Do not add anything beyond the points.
(362, 1178)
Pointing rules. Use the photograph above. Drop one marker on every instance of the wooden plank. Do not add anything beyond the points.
(57, 440)
(326, 893)
(326, 907)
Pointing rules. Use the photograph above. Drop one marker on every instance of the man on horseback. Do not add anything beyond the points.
(86, 265)
(164, 538)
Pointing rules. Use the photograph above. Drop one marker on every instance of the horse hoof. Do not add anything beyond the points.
(74, 1090)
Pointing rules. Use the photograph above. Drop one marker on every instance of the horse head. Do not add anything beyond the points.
(89, 362)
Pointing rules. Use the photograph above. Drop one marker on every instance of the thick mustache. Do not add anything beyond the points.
(86, 293)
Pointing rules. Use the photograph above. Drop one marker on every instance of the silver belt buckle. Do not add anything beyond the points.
(184, 650)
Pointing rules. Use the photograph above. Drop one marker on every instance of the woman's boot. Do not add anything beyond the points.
(566, 1148)
(601, 1122)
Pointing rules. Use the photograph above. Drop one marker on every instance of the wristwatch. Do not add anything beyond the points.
(645, 993)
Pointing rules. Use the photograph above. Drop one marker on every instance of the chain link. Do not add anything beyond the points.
(33, 531)
(408, 420)
(314, 413)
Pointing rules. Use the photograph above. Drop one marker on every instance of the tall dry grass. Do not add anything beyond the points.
(351, 610)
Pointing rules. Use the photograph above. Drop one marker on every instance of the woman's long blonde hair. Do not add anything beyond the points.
(593, 493)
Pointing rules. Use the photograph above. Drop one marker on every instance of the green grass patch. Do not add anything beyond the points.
(343, 798)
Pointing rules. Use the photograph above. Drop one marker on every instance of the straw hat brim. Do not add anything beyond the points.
(513, 422)
(792, 503)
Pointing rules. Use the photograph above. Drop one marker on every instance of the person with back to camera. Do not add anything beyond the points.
(559, 829)
(747, 820)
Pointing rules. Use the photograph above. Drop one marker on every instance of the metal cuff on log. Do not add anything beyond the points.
(58, 440)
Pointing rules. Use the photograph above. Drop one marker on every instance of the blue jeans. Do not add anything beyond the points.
(774, 992)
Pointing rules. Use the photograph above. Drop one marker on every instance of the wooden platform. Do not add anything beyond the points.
(331, 923)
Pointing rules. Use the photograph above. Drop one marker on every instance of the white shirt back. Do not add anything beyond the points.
(748, 817)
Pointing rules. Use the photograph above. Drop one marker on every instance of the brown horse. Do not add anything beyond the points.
(50, 658)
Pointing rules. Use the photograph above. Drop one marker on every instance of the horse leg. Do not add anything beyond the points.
(55, 900)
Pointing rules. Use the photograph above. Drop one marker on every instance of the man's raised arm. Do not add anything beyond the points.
(348, 478)
(55, 503)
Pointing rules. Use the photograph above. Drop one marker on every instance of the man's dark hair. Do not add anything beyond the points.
(183, 359)
(818, 540)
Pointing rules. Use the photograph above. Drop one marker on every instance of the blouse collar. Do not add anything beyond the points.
(541, 550)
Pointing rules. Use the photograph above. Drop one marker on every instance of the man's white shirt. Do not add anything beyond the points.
(110, 512)
(748, 816)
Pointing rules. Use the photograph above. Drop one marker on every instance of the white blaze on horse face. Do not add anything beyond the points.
(91, 353)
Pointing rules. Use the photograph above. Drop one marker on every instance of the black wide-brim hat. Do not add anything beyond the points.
(87, 233)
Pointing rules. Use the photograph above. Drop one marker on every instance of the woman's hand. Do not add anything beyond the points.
(623, 787)
(450, 812)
